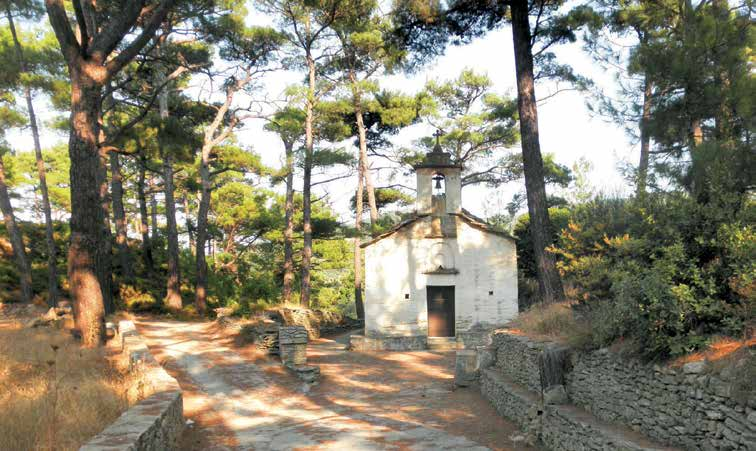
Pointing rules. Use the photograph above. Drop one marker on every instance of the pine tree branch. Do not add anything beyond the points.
(156, 19)
(70, 48)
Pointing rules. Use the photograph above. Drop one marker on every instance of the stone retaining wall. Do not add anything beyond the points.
(517, 358)
(565, 428)
(153, 424)
(692, 406)
(558, 428)
(512, 402)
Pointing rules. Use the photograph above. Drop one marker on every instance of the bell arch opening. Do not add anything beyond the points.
(439, 184)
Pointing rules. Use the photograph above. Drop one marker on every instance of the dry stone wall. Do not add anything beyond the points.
(565, 428)
(690, 406)
(511, 401)
(292, 342)
(615, 403)
(555, 427)
(517, 358)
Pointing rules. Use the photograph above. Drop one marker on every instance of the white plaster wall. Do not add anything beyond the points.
(424, 190)
(394, 267)
(453, 182)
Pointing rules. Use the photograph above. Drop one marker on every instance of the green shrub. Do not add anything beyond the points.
(525, 258)
(664, 275)
(135, 299)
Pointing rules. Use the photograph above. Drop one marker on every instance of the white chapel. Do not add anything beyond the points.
(443, 276)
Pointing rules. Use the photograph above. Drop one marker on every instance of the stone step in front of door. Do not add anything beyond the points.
(442, 343)
(559, 427)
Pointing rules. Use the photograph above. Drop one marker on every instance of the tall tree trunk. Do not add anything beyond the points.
(288, 267)
(200, 300)
(549, 283)
(358, 302)
(119, 217)
(104, 256)
(645, 140)
(697, 186)
(144, 224)
(188, 221)
(89, 73)
(693, 85)
(16, 239)
(52, 258)
(306, 188)
(173, 281)
(87, 220)
(365, 167)
(154, 210)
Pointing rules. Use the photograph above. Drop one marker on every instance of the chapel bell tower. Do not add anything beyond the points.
(439, 183)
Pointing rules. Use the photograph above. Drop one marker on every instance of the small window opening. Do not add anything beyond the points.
(490, 293)
(439, 185)
(406, 295)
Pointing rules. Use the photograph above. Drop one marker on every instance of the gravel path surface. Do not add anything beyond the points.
(238, 399)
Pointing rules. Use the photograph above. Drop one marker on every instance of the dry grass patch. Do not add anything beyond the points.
(727, 354)
(553, 321)
(55, 394)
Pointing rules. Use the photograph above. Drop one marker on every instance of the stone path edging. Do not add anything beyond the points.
(154, 423)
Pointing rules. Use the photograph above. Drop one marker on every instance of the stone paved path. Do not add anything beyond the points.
(393, 401)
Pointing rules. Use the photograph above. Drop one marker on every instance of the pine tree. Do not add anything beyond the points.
(306, 25)
(16, 238)
(42, 75)
(90, 54)
(288, 124)
(427, 31)
(248, 52)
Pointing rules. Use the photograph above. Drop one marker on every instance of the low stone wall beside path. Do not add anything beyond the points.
(694, 406)
(153, 424)
(517, 357)
(691, 406)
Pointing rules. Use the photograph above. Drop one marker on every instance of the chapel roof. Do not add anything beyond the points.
(465, 215)
(437, 158)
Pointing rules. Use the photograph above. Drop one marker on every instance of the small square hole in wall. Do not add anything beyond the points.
(406, 295)
(490, 293)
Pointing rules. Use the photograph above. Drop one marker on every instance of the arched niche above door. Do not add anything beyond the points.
(440, 259)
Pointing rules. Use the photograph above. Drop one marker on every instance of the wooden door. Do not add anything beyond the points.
(440, 311)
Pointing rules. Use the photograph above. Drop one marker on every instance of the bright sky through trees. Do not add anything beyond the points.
(567, 129)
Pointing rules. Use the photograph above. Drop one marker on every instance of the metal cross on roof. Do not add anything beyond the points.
(438, 134)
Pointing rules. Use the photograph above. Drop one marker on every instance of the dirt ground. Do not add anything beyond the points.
(237, 398)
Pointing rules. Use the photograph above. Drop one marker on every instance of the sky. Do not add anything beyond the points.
(567, 129)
